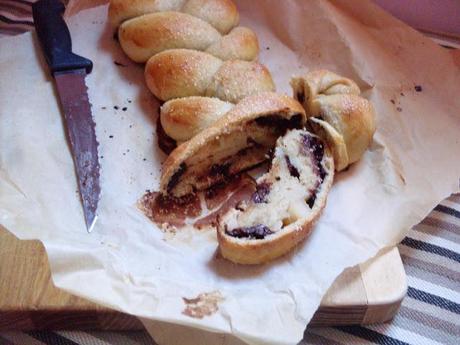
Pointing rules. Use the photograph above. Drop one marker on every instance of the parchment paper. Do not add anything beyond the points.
(129, 264)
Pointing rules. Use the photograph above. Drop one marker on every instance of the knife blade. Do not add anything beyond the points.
(69, 71)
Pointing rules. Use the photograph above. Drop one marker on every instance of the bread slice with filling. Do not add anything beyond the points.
(236, 142)
(288, 200)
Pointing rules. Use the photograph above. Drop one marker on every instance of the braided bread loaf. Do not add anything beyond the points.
(197, 58)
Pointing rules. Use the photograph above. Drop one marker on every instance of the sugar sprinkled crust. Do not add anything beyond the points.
(221, 14)
(149, 34)
(179, 73)
(288, 200)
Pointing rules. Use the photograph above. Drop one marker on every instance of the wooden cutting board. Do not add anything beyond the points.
(364, 294)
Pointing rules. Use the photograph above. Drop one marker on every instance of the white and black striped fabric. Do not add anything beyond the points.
(430, 313)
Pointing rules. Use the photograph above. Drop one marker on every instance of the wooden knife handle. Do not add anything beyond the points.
(54, 37)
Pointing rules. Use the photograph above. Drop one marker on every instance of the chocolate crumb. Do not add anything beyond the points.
(124, 108)
(103, 108)
(392, 101)
(277, 178)
(129, 101)
(130, 126)
(115, 107)
(144, 159)
(119, 64)
(102, 157)
(111, 136)
(418, 88)
(399, 109)
(268, 48)
(402, 94)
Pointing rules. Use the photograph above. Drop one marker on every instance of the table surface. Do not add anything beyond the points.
(430, 314)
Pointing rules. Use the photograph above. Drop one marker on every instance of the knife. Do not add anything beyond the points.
(69, 71)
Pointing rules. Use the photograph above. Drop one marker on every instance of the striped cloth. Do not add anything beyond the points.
(430, 313)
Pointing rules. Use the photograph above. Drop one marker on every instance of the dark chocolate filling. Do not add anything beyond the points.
(311, 201)
(165, 142)
(300, 96)
(280, 123)
(260, 195)
(257, 232)
(292, 169)
(220, 169)
(174, 180)
(312, 146)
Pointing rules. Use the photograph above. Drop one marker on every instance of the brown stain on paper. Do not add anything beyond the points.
(205, 304)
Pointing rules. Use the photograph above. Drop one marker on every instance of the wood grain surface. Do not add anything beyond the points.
(29, 301)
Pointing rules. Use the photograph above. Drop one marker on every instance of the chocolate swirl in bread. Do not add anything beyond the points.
(236, 142)
(288, 200)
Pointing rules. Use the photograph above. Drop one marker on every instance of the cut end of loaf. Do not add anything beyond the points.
(288, 200)
(238, 141)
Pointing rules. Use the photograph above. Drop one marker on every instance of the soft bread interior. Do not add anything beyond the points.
(289, 197)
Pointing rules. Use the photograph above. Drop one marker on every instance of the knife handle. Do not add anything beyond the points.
(54, 37)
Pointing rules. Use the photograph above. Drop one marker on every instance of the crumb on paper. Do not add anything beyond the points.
(119, 64)
(418, 88)
(399, 109)
(205, 304)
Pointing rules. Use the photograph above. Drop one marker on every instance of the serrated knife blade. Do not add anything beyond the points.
(81, 133)
(69, 71)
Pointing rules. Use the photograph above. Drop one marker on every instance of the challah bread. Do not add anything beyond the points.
(183, 118)
(287, 201)
(221, 14)
(150, 34)
(337, 113)
(180, 73)
(236, 142)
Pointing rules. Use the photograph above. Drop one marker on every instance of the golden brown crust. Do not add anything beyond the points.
(214, 137)
(221, 14)
(240, 44)
(345, 119)
(237, 79)
(150, 34)
(179, 73)
(121, 10)
(183, 118)
(353, 117)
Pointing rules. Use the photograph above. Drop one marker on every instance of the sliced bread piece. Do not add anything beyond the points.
(236, 142)
(288, 200)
